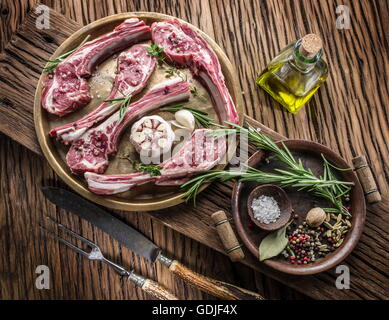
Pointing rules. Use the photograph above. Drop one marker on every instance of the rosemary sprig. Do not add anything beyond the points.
(284, 178)
(191, 187)
(124, 103)
(327, 186)
(201, 117)
(151, 169)
(55, 62)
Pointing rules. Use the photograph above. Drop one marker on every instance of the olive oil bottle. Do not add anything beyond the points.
(296, 73)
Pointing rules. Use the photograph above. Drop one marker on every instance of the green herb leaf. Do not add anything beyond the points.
(154, 50)
(124, 103)
(157, 52)
(152, 169)
(124, 108)
(273, 244)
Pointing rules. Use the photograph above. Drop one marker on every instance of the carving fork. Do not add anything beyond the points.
(149, 286)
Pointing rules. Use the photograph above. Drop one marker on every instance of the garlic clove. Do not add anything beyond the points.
(162, 143)
(147, 123)
(185, 118)
(176, 124)
(138, 137)
(147, 131)
(145, 145)
(162, 127)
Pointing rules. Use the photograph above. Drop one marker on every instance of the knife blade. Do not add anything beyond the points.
(125, 234)
(140, 244)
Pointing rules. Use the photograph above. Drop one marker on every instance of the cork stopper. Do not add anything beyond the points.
(310, 45)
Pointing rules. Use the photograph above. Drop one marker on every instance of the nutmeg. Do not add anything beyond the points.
(315, 217)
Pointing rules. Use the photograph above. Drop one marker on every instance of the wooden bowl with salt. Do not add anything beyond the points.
(283, 202)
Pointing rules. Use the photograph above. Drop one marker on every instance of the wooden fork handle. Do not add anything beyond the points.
(214, 287)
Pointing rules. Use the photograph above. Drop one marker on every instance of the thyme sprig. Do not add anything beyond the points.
(296, 176)
(155, 51)
(55, 62)
(201, 117)
(151, 169)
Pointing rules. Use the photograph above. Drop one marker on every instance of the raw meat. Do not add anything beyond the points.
(90, 152)
(66, 89)
(185, 47)
(200, 153)
(133, 70)
(152, 136)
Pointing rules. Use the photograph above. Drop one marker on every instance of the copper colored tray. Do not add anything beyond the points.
(147, 197)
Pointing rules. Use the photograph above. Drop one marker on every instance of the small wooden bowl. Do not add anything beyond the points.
(280, 197)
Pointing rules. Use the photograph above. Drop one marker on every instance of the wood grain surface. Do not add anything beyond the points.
(349, 114)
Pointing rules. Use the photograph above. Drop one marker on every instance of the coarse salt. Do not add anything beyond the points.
(265, 209)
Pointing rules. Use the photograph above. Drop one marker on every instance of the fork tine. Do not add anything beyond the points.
(88, 242)
(70, 245)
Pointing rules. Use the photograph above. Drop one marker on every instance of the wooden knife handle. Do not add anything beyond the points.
(158, 291)
(151, 287)
(214, 287)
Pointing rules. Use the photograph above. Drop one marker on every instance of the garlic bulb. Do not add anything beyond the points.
(152, 136)
(184, 119)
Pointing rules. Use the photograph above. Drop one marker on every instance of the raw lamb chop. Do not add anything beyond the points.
(200, 153)
(67, 89)
(152, 136)
(185, 47)
(133, 70)
(90, 152)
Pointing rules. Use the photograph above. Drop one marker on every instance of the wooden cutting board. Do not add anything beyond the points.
(20, 67)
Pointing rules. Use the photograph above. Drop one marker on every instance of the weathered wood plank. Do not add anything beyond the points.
(349, 113)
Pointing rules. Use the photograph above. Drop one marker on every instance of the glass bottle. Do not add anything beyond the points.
(296, 73)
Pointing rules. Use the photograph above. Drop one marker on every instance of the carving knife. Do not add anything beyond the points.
(138, 243)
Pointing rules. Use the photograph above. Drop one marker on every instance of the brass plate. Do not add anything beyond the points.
(143, 198)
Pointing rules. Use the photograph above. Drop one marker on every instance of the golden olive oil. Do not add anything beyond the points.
(295, 74)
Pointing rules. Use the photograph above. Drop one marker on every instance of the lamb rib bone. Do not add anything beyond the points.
(185, 47)
(134, 68)
(66, 89)
(91, 151)
(200, 153)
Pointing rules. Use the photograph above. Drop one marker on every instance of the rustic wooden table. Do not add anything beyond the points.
(349, 114)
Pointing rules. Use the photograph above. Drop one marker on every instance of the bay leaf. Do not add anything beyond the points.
(273, 244)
